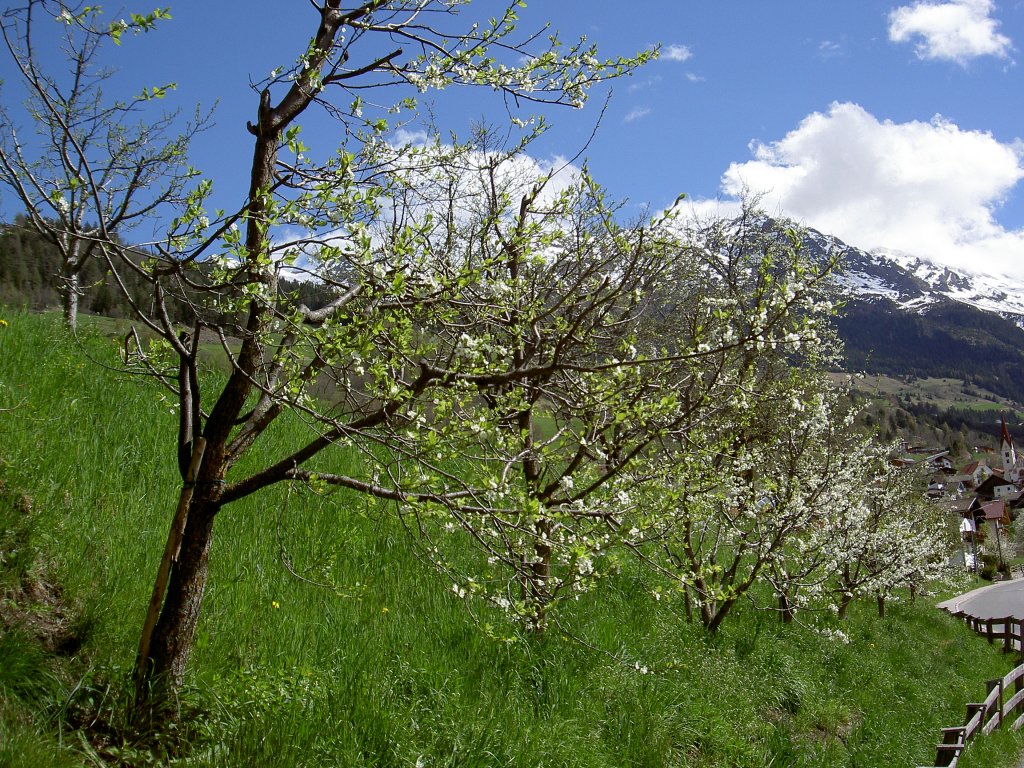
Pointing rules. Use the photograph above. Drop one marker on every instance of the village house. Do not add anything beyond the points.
(995, 487)
(976, 473)
(984, 498)
(941, 462)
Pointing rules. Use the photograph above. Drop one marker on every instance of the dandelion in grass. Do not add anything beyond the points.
(274, 604)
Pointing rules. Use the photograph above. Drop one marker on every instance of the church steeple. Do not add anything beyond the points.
(1010, 470)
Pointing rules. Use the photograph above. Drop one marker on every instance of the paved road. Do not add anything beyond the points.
(996, 601)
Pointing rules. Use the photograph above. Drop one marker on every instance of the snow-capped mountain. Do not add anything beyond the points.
(906, 316)
(914, 283)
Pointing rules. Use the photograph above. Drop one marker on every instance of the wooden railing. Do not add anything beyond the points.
(1009, 631)
(1005, 699)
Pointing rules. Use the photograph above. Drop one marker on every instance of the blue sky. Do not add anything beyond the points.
(891, 124)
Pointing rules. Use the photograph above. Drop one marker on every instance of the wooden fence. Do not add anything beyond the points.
(1009, 631)
(1005, 699)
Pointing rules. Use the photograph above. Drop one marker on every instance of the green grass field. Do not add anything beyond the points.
(941, 392)
(378, 663)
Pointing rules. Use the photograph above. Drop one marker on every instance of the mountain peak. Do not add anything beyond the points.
(913, 282)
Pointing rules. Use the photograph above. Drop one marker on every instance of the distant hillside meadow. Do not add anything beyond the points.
(328, 642)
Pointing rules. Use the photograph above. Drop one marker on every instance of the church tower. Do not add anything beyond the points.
(1011, 471)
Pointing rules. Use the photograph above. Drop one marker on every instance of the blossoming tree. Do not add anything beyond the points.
(399, 281)
(735, 490)
(886, 536)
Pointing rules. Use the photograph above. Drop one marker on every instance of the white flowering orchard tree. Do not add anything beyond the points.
(416, 289)
(730, 493)
(656, 358)
(760, 482)
(883, 537)
(838, 466)
(557, 389)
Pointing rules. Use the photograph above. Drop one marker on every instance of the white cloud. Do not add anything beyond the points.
(830, 49)
(430, 175)
(637, 113)
(676, 53)
(957, 30)
(645, 84)
(926, 188)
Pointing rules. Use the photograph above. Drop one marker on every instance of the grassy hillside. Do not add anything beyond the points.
(948, 340)
(325, 641)
(943, 393)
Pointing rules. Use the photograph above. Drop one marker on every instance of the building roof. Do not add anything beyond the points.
(989, 486)
(971, 468)
(962, 505)
(994, 510)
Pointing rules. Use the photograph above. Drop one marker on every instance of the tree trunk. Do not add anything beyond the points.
(847, 595)
(707, 613)
(844, 605)
(69, 298)
(785, 608)
(705, 604)
(172, 638)
(721, 611)
(880, 598)
(539, 574)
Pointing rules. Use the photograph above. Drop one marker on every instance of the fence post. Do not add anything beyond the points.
(947, 754)
(1018, 686)
(972, 710)
(1002, 700)
(988, 631)
(997, 705)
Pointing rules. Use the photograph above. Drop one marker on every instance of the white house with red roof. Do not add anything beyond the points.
(976, 472)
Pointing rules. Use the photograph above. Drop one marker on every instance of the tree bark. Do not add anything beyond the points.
(785, 608)
(171, 550)
(721, 611)
(844, 605)
(172, 638)
(539, 574)
(69, 298)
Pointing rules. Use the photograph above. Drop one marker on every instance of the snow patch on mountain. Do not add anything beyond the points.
(915, 283)
(862, 284)
(992, 293)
